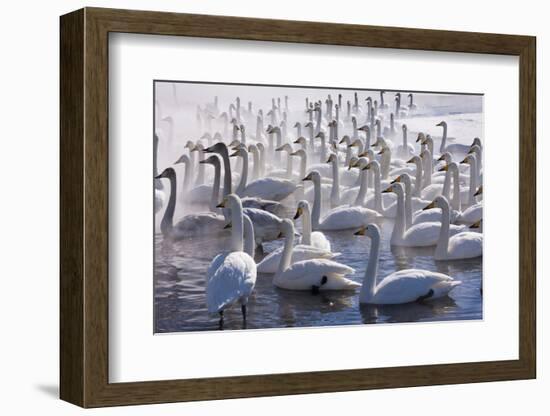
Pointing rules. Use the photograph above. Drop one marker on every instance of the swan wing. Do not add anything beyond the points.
(465, 245)
(203, 223)
(345, 218)
(270, 188)
(266, 225)
(305, 274)
(409, 285)
(232, 281)
(200, 194)
(270, 263)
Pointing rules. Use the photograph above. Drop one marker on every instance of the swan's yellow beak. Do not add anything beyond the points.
(299, 212)
(430, 206)
(387, 190)
(396, 180)
(221, 204)
(361, 231)
(411, 160)
(444, 168)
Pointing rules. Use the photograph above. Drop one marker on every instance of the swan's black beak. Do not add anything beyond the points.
(410, 161)
(479, 191)
(396, 180)
(227, 226)
(387, 190)
(221, 205)
(208, 150)
(159, 176)
(444, 168)
(298, 213)
(281, 235)
(429, 206)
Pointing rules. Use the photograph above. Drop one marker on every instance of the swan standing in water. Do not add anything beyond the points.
(314, 275)
(464, 245)
(404, 286)
(309, 237)
(231, 276)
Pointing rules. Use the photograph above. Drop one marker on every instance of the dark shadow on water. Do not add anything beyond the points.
(51, 390)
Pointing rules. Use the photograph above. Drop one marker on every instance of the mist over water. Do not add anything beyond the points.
(180, 267)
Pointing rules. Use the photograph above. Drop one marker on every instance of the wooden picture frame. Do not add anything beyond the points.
(84, 207)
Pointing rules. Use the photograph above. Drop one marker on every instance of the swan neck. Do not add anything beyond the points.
(306, 226)
(237, 226)
(316, 213)
(166, 224)
(399, 226)
(227, 172)
(335, 192)
(443, 241)
(249, 243)
(244, 175)
(215, 188)
(287, 252)
(443, 139)
(369, 281)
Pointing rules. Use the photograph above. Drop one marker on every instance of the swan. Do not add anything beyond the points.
(468, 196)
(378, 200)
(340, 218)
(434, 214)
(231, 276)
(464, 245)
(356, 195)
(412, 105)
(424, 234)
(405, 150)
(275, 189)
(456, 148)
(313, 275)
(313, 238)
(191, 224)
(473, 213)
(404, 286)
(300, 252)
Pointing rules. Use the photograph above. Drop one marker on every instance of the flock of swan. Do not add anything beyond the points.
(321, 168)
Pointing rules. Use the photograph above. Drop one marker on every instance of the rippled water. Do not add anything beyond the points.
(180, 302)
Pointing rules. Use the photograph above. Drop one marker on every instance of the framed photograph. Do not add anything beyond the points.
(255, 207)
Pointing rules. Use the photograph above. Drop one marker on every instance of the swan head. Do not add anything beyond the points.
(372, 165)
(332, 158)
(477, 142)
(302, 206)
(285, 147)
(182, 159)
(223, 115)
(240, 151)
(355, 143)
(479, 191)
(167, 173)
(353, 162)
(252, 148)
(260, 146)
(446, 156)
(438, 202)
(415, 159)
(234, 143)
(229, 201)
(469, 159)
(368, 99)
(211, 160)
(384, 150)
(370, 230)
(272, 129)
(300, 140)
(403, 127)
(299, 152)
(409, 95)
(396, 188)
(344, 139)
(308, 124)
(314, 176)
(451, 166)
(442, 124)
(474, 148)
(364, 128)
(320, 135)
(189, 145)
(297, 124)
(404, 178)
(219, 147)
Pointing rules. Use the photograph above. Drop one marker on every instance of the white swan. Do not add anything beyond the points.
(315, 275)
(404, 286)
(309, 237)
(464, 245)
(190, 225)
(341, 218)
(231, 276)
(456, 148)
(424, 234)
(473, 213)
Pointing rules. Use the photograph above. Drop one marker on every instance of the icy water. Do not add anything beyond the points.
(180, 288)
